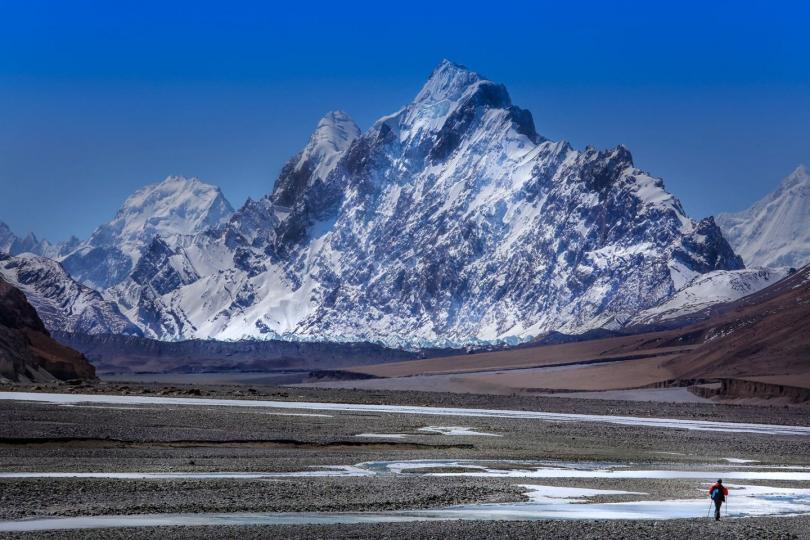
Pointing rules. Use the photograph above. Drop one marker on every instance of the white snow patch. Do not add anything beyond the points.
(456, 430)
(544, 494)
(637, 421)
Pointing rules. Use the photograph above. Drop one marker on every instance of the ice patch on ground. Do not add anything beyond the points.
(636, 421)
(547, 502)
(473, 468)
(543, 494)
(457, 430)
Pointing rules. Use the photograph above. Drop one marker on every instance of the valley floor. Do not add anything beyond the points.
(327, 468)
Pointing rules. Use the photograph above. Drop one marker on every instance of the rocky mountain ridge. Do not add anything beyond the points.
(62, 303)
(451, 221)
(447, 223)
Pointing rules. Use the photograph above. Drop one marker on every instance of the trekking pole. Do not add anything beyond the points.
(709, 513)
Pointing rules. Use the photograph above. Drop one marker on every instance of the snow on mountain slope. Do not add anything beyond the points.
(448, 222)
(335, 132)
(175, 206)
(63, 304)
(12, 244)
(775, 231)
(707, 290)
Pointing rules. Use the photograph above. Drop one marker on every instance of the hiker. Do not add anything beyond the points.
(718, 494)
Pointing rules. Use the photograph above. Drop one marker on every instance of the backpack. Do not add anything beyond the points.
(717, 493)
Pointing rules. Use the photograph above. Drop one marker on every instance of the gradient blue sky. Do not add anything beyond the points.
(100, 98)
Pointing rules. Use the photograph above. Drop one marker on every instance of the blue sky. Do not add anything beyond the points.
(100, 98)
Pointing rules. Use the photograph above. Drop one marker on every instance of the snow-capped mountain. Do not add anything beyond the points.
(710, 289)
(175, 206)
(775, 231)
(12, 244)
(63, 304)
(451, 221)
(334, 134)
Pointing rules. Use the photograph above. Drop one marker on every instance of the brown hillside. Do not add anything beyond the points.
(27, 351)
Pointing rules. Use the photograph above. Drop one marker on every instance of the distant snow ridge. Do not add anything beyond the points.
(61, 303)
(707, 290)
(175, 206)
(775, 231)
(12, 244)
(451, 221)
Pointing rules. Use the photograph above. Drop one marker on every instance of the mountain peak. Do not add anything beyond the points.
(177, 205)
(337, 118)
(799, 176)
(448, 81)
(335, 132)
(174, 191)
(447, 106)
(332, 137)
(7, 237)
(774, 230)
(177, 182)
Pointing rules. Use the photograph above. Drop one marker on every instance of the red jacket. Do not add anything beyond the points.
(721, 486)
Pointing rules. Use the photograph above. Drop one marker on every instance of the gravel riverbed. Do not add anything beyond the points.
(40, 437)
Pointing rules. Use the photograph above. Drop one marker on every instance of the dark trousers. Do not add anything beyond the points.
(717, 505)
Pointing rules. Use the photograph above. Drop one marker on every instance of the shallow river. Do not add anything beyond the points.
(547, 502)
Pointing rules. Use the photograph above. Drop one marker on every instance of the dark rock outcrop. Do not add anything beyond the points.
(27, 351)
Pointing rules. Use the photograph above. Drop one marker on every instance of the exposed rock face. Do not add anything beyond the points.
(335, 132)
(695, 300)
(62, 303)
(27, 352)
(775, 231)
(175, 206)
(448, 222)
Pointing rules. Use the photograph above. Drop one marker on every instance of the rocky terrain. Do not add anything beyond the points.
(695, 300)
(760, 334)
(763, 528)
(27, 352)
(181, 439)
(63, 304)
